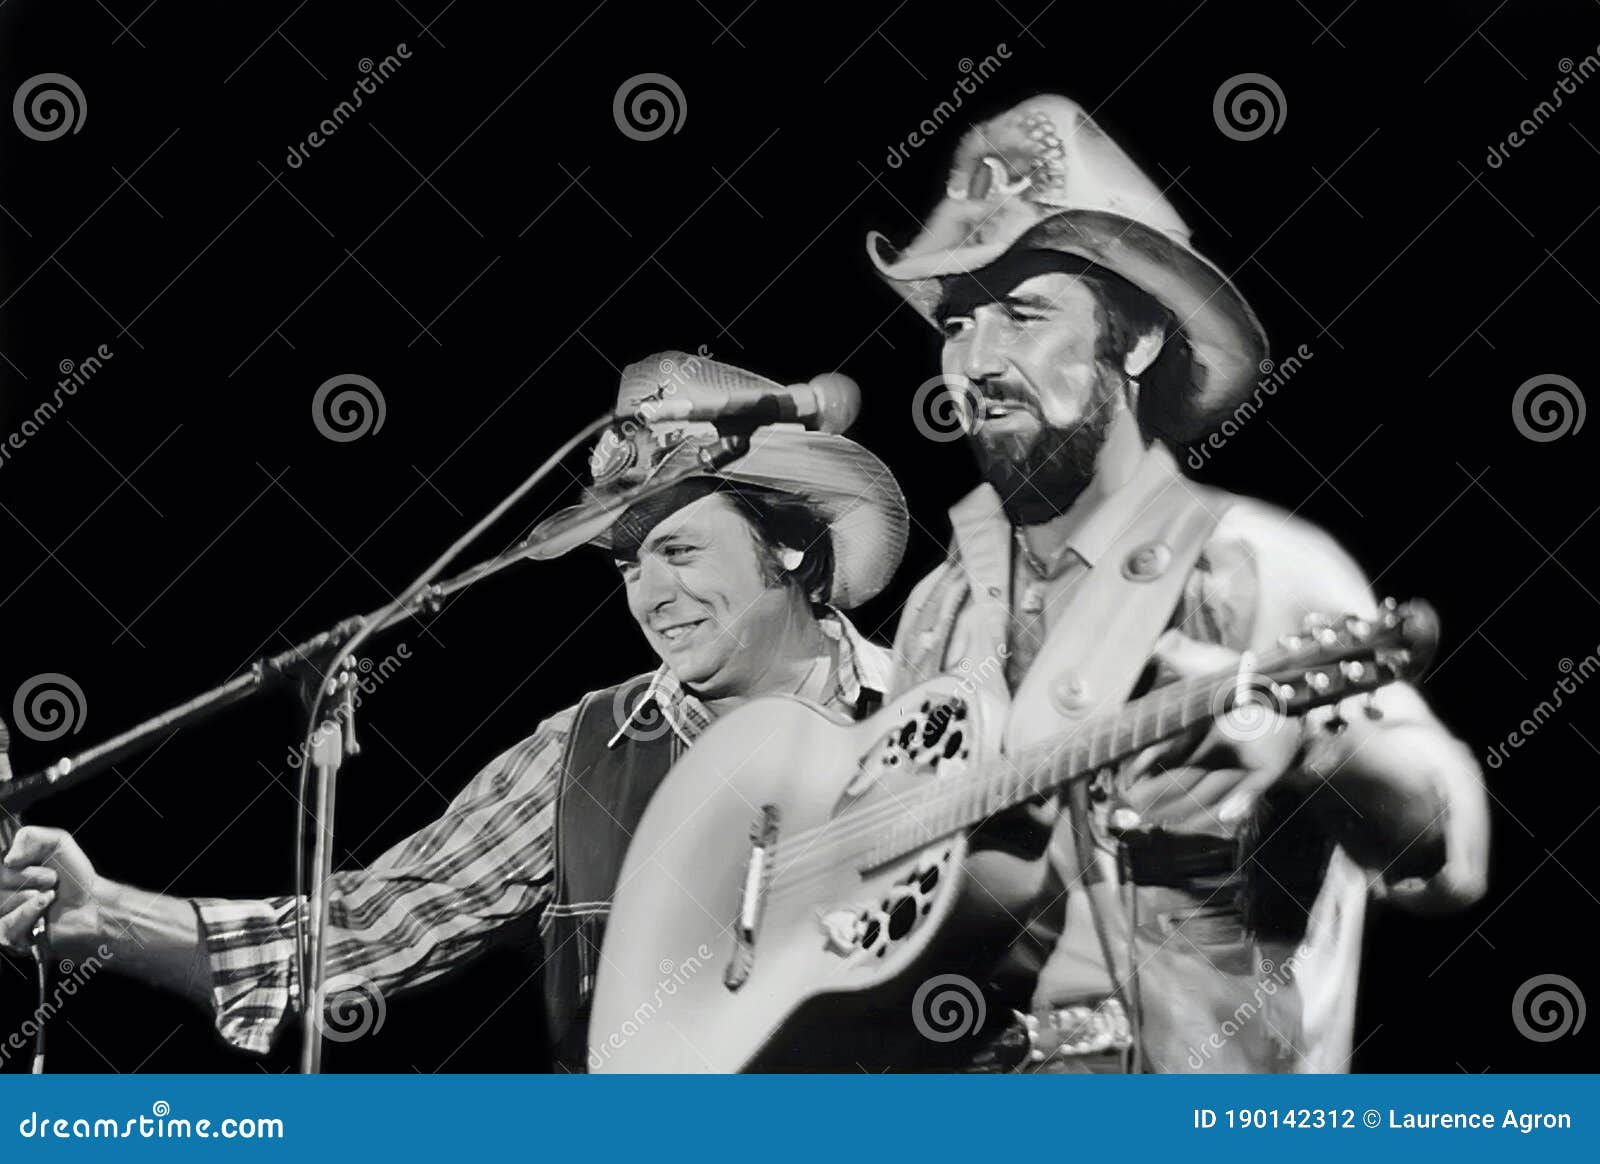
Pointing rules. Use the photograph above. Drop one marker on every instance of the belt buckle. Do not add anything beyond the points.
(1068, 1031)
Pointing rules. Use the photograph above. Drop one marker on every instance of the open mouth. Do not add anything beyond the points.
(1002, 413)
(677, 632)
(989, 409)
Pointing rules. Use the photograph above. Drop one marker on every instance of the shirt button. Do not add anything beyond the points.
(1069, 693)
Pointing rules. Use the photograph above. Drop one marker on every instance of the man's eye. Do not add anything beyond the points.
(955, 326)
(628, 569)
(677, 553)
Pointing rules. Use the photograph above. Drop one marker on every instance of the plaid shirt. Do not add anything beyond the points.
(435, 900)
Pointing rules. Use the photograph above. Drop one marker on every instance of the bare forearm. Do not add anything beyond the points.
(148, 936)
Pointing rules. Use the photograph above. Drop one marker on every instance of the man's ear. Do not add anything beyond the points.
(1143, 353)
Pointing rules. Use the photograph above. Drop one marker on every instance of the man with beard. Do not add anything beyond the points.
(1201, 907)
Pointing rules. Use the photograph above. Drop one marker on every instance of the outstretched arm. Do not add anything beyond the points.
(423, 908)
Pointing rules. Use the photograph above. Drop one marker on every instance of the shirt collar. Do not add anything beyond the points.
(862, 666)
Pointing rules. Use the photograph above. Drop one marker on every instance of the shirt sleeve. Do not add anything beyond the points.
(426, 906)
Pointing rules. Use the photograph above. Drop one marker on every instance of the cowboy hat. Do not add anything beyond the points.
(1044, 176)
(846, 486)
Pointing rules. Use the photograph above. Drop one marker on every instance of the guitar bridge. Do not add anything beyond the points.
(763, 836)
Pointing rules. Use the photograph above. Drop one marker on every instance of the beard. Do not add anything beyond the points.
(1039, 475)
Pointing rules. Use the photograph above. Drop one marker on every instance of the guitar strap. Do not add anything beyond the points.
(1097, 648)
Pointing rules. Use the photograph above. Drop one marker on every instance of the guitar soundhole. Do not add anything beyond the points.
(902, 917)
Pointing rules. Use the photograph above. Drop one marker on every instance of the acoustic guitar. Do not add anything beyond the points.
(797, 883)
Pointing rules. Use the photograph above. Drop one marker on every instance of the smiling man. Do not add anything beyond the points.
(1201, 907)
(737, 581)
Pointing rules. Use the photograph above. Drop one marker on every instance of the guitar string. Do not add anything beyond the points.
(1015, 786)
(817, 863)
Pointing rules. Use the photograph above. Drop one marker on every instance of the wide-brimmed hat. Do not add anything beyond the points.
(1044, 176)
(848, 487)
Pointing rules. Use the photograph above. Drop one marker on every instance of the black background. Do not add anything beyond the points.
(182, 514)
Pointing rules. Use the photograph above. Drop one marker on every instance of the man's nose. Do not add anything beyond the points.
(984, 358)
(657, 584)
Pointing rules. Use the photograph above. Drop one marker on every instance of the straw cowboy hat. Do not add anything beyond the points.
(1043, 176)
(846, 486)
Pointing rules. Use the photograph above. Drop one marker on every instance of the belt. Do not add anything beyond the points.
(1084, 1038)
(1154, 856)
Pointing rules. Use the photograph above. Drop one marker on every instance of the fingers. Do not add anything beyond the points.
(1191, 658)
(16, 925)
(15, 883)
(33, 846)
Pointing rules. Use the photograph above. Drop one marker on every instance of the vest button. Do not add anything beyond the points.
(1069, 693)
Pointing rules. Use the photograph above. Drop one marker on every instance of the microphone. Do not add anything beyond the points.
(826, 403)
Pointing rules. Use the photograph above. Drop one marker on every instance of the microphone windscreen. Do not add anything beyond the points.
(838, 400)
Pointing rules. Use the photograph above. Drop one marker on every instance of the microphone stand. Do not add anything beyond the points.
(330, 736)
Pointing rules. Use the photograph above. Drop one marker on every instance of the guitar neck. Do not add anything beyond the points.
(1053, 763)
(1331, 660)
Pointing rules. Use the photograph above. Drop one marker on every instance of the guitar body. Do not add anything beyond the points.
(805, 894)
(826, 977)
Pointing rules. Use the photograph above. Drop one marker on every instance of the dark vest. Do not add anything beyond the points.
(604, 791)
(605, 788)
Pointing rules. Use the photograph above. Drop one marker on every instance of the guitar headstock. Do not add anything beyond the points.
(1334, 658)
